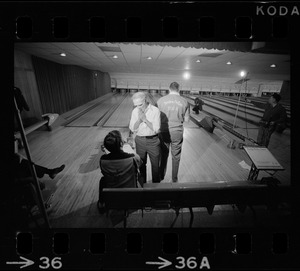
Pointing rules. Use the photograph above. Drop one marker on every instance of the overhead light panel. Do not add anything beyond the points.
(228, 63)
(149, 57)
(210, 54)
(198, 61)
(273, 66)
(109, 49)
(62, 54)
(115, 56)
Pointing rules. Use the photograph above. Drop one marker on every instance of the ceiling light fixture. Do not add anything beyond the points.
(115, 56)
(149, 57)
(243, 73)
(63, 54)
(198, 61)
(273, 66)
(186, 75)
(228, 63)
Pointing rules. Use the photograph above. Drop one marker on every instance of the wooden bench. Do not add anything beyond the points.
(191, 195)
(48, 119)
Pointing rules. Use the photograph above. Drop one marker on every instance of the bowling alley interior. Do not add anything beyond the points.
(68, 96)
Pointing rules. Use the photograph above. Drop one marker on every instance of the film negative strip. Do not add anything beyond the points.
(241, 236)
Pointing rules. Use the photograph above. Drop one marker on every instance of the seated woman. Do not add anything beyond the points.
(119, 168)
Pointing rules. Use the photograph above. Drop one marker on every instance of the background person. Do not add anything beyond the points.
(274, 118)
(198, 105)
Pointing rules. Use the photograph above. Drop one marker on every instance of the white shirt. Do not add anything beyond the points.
(152, 114)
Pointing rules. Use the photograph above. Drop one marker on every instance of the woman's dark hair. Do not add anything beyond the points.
(197, 101)
(113, 141)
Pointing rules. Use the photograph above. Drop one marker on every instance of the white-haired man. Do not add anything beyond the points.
(145, 123)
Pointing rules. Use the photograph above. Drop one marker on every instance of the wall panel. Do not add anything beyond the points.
(285, 91)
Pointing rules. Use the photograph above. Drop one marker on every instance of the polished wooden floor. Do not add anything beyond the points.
(205, 158)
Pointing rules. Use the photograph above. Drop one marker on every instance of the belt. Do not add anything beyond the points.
(149, 137)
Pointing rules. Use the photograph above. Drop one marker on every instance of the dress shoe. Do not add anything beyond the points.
(55, 171)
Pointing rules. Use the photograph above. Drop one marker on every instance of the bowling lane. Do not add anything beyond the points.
(244, 128)
(249, 107)
(94, 115)
(228, 114)
(213, 111)
(234, 101)
(250, 111)
(121, 115)
(231, 110)
(71, 114)
(279, 145)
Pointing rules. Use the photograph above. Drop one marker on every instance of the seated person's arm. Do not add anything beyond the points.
(127, 148)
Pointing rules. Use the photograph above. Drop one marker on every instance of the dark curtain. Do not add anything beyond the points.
(51, 85)
(64, 87)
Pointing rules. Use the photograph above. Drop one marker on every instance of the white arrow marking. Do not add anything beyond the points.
(25, 264)
(163, 264)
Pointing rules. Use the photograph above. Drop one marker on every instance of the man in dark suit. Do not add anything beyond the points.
(274, 118)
